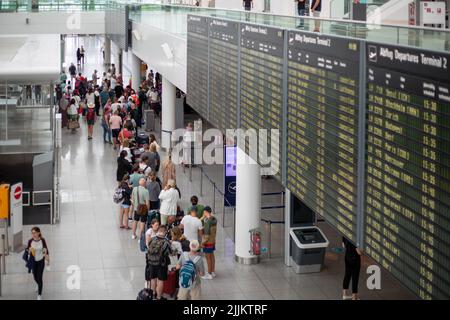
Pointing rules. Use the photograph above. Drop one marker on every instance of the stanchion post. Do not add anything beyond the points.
(201, 181)
(269, 241)
(3, 255)
(214, 196)
(190, 172)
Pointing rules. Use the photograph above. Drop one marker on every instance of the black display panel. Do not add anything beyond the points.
(197, 64)
(261, 96)
(407, 216)
(223, 73)
(322, 132)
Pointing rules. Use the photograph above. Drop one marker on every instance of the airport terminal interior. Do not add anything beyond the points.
(339, 175)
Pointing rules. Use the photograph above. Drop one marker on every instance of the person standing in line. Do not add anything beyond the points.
(136, 176)
(115, 122)
(169, 198)
(192, 226)
(157, 262)
(301, 9)
(352, 269)
(195, 206)
(123, 166)
(126, 203)
(209, 242)
(168, 170)
(247, 4)
(190, 283)
(154, 190)
(141, 203)
(316, 8)
(95, 78)
(73, 72)
(38, 250)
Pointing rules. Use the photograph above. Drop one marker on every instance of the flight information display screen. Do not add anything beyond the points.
(262, 56)
(223, 73)
(322, 132)
(407, 218)
(197, 64)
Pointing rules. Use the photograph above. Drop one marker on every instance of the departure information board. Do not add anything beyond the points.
(223, 73)
(197, 64)
(262, 56)
(407, 222)
(322, 133)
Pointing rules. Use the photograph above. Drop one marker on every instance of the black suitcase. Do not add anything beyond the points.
(142, 138)
(145, 295)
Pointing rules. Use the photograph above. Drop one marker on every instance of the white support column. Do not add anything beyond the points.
(168, 114)
(135, 71)
(107, 52)
(248, 206)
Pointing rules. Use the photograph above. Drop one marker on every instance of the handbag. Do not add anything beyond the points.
(73, 124)
(141, 208)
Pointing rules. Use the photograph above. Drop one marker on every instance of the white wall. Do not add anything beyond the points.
(53, 23)
(149, 50)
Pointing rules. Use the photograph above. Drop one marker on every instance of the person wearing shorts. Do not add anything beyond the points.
(156, 269)
(115, 123)
(139, 196)
(209, 241)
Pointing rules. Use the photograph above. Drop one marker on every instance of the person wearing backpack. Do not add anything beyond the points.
(157, 258)
(191, 269)
(90, 118)
(126, 203)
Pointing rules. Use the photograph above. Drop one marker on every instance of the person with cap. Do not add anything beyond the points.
(193, 256)
(90, 118)
(169, 198)
(209, 241)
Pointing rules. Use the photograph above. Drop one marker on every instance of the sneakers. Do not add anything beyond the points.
(213, 274)
(39, 297)
(133, 237)
(207, 277)
(347, 297)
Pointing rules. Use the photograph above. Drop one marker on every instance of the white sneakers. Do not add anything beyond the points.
(347, 297)
(207, 276)
(133, 237)
(213, 274)
(39, 297)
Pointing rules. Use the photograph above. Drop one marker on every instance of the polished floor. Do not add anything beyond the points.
(112, 267)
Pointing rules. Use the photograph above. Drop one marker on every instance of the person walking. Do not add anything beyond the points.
(352, 269)
(140, 201)
(79, 57)
(158, 260)
(191, 269)
(191, 225)
(82, 52)
(209, 242)
(38, 252)
(90, 118)
(169, 198)
(126, 203)
(73, 72)
(168, 170)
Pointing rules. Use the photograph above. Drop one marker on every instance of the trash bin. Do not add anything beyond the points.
(308, 246)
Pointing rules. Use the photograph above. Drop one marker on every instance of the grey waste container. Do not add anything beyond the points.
(308, 245)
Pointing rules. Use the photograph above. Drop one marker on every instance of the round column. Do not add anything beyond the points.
(248, 206)
(168, 121)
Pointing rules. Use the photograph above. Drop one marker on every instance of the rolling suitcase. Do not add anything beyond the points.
(170, 285)
(142, 138)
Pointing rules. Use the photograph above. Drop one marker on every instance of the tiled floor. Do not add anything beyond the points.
(112, 267)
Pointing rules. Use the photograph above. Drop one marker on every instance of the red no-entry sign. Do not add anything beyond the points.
(17, 193)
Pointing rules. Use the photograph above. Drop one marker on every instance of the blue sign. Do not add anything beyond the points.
(230, 176)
